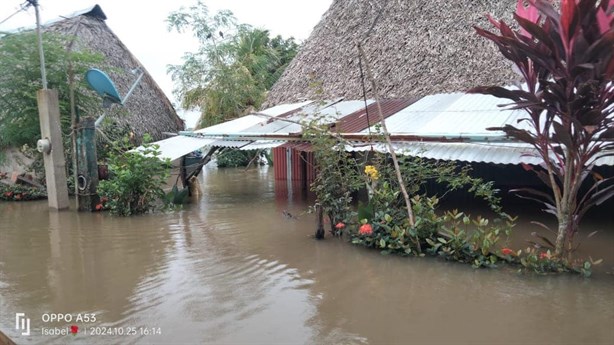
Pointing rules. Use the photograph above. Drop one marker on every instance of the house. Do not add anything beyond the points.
(423, 53)
(148, 110)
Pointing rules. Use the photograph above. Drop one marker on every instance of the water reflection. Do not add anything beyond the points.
(232, 269)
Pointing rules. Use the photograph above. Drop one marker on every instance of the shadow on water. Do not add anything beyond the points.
(232, 268)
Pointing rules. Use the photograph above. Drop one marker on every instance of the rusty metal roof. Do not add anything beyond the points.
(299, 146)
(364, 118)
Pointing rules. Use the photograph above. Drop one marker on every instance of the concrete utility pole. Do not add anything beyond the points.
(51, 143)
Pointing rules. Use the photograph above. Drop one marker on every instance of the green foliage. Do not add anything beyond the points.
(338, 176)
(232, 158)
(20, 80)
(566, 59)
(19, 192)
(136, 181)
(110, 133)
(233, 68)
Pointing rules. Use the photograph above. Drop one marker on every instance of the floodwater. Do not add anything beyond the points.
(232, 269)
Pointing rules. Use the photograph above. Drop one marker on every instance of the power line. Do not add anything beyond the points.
(22, 7)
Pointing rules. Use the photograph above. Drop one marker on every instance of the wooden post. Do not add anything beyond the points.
(87, 176)
(55, 163)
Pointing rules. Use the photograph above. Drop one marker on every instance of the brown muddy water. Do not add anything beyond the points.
(231, 269)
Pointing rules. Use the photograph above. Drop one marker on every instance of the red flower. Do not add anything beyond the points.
(104, 199)
(8, 194)
(507, 251)
(74, 329)
(365, 229)
(544, 255)
(339, 226)
(98, 207)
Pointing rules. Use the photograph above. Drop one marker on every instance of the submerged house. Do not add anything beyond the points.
(424, 56)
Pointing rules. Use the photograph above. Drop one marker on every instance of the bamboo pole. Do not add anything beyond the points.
(393, 155)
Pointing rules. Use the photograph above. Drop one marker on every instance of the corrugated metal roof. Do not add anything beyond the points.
(495, 153)
(245, 122)
(177, 146)
(453, 115)
(235, 144)
(291, 123)
(362, 118)
(473, 113)
(235, 125)
(280, 110)
(464, 152)
(263, 144)
(439, 119)
(413, 117)
(299, 145)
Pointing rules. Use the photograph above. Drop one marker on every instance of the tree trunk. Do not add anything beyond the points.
(561, 235)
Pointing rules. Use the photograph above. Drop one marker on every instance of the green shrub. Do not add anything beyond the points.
(136, 182)
(18, 192)
(235, 158)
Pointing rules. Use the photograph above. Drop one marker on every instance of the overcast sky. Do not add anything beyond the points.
(141, 26)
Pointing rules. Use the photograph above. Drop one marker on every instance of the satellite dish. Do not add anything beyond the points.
(103, 85)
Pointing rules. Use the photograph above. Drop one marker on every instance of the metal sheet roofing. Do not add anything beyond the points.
(245, 122)
(313, 111)
(413, 117)
(363, 117)
(473, 113)
(495, 153)
(178, 146)
(464, 152)
(453, 114)
(263, 144)
(425, 128)
(281, 109)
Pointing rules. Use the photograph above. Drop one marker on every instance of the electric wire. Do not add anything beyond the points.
(22, 7)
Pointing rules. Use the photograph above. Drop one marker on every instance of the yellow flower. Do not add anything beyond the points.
(372, 172)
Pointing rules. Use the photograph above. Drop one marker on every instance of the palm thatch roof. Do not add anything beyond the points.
(415, 48)
(148, 108)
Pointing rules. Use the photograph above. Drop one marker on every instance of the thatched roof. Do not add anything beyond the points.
(415, 48)
(148, 109)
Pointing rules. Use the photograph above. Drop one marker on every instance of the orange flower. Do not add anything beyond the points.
(365, 229)
(339, 226)
(507, 251)
(544, 255)
(98, 207)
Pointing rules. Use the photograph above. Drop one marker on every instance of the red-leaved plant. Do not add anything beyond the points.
(566, 60)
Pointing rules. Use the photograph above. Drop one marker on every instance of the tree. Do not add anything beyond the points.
(20, 79)
(566, 60)
(233, 68)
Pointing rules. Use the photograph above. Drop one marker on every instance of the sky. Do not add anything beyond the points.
(141, 25)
